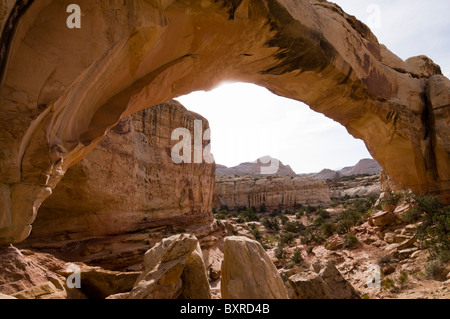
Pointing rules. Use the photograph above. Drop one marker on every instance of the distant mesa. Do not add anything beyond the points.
(363, 167)
(254, 168)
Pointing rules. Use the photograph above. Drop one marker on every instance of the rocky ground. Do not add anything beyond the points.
(358, 246)
(380, 248)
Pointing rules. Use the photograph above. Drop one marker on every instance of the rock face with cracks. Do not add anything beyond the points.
(248, 272)
(274, 192)
(63, 89)
(130, 182)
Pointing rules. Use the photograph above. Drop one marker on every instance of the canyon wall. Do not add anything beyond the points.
(276, 192)
(63, 89)
(129, 182)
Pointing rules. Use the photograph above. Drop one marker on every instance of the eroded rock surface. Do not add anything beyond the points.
(63, 89)
(248, 272)
(173, 268)
(130, 182)
(274, 192)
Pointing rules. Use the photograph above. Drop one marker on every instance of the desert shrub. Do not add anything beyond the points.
(403, 278)
(297, 256)
(310, 235)
(224, 207)
(391, 199)
(433, 268)
(318, 221)
(271, 239)
(323, 213)
(286, 239)
(257, 233)
(284, 219)
(328, 229)
(275, 213)
(435, 226)
(344, 226)
(388, 283)
(248, 215)
(262, 208)
(280, 252)
(271, 223)
(411, 216)
(291, 227)
(310, 249)
(299, 215)
(350, 241)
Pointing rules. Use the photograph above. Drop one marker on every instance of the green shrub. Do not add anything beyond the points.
(248, 215)
(286, 239)
(411, 216)
(319, 221)
(328, 229)
(350, 241)
(344, 226)
(435, 227)
(391, 199)
(299, 215)
(388, 283)
(280, 252)
(403, 278)
(263, 208)
(433, 268)
(323, 213)
(310, 209)
(257, 233)
(297, 256)
(220, 216)
(291, 227)
(284, 219)
(271, 223)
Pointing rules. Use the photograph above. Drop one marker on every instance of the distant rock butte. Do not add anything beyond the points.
(363, 167)
(274, 192)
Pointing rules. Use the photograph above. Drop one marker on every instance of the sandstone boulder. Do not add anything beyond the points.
(248, 272)
(323, 281)
(383, 218)
(309, 285)
(173, 268)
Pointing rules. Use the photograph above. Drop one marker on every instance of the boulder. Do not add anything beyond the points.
(335, 244)
(383, 218)
(323, 281)
(248, 272)
(309, 285)
(173, 268)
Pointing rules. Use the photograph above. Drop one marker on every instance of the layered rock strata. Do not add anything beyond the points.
(130, 182)
(275, 192)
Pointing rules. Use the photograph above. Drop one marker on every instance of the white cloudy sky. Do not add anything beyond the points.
(248, 122)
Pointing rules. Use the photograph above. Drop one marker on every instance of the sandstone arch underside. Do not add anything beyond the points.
(62, 89)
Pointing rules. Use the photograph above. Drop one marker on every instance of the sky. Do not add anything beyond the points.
(248, 122)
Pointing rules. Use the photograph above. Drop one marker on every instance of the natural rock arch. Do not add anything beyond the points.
(63, 89)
